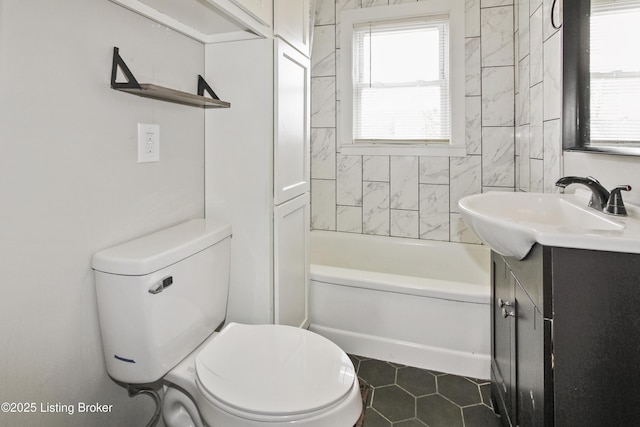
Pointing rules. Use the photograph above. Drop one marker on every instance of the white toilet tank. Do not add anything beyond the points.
(160, 296)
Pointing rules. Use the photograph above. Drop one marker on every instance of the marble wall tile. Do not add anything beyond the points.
(524, 169)
(460, 231)
(523, 28)
(497, 96)
(375, 168)
(323, 55)
(404, 182)
(535, 43)
(473, 124)
(323, 153)
(552, 155)
(494, 3)
(547, 28)
(535, 106)
(466, 178)
(434, 212)
(533, 5)
(472, 67)
(375, 208)
(325, 12)
(323, 204)
(472, 18)
(404, 223)
(537, 175)
(340, 6)
(553, 77)
(373, 3)
(349, 219)
(323, 102)
(522, 104)
(498, 156)
(434, 170)
(401, 1)
(349, 180)
(497, 36)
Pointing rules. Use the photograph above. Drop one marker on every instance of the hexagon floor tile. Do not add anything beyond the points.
(404, 396)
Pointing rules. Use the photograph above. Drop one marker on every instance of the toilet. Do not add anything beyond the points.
(161, 300)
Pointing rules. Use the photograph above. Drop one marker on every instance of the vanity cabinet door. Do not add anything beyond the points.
(503, 339)
(530, 364)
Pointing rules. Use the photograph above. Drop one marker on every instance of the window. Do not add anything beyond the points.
(402, 74)
(615, 72)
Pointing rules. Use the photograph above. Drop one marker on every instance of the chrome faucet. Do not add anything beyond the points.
(601, 199)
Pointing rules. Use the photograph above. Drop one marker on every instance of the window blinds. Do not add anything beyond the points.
(615, 72)
(401, 81)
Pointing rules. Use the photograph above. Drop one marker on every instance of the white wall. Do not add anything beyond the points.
(70, 185)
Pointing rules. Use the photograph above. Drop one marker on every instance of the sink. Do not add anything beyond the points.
(511, 223)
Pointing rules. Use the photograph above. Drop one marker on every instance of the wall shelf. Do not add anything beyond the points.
(149, 90)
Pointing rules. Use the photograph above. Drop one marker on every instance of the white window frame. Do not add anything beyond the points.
(455, 10)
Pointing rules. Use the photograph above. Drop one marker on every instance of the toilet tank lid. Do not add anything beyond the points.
(161, 249)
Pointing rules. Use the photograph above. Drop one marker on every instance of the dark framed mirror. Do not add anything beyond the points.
(601, 76)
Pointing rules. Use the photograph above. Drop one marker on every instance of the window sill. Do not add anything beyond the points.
(434, 150)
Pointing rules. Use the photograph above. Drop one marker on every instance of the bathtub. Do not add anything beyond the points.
(415, 302)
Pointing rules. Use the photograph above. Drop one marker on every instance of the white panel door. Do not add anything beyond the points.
(291, 127)
(291, 262)
(291, 21)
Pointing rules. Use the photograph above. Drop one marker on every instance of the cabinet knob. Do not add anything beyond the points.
(503, 303)
(506, 313)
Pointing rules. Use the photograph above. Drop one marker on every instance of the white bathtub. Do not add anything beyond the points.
(415, 302)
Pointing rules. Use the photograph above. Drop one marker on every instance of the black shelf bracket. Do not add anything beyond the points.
(131, 82)
(204, 86)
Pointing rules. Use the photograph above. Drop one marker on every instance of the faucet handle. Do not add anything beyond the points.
(615, 205)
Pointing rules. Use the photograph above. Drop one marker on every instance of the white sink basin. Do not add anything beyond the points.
(511, 223)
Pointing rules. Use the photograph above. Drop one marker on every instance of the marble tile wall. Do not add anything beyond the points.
(538, 97)
(416, 196)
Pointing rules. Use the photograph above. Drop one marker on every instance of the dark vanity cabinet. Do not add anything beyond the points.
(566, 338)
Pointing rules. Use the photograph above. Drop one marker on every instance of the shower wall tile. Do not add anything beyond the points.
(472, 18)
(524, 171)
(494, 3)
(375, 208)
(466, 178)
(323, 204)
(547, 28)
(349, 180)
(404, 223)
(460, 232)
(323, 59)
(404, 182)
(498, 156)
(434, 170)
(535, 34)
(553, 77)
(497, 96)
(323, 153)
(349, 219)
(434, 212)
(323, 102)
(497, 36)
(522, 103)
(552, 155)
(375, 168)
(325, 12)
(472, 66)
(536, 104)
(473, 124)
(537, 175)
(373, 3)
(523, 28)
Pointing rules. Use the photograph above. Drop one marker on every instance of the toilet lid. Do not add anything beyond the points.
(274, 370)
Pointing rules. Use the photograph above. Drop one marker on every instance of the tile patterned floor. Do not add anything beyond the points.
(404, 396)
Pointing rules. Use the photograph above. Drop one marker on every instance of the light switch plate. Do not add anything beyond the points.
(148, 143)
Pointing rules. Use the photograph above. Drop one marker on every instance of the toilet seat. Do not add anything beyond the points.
(269, 372)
